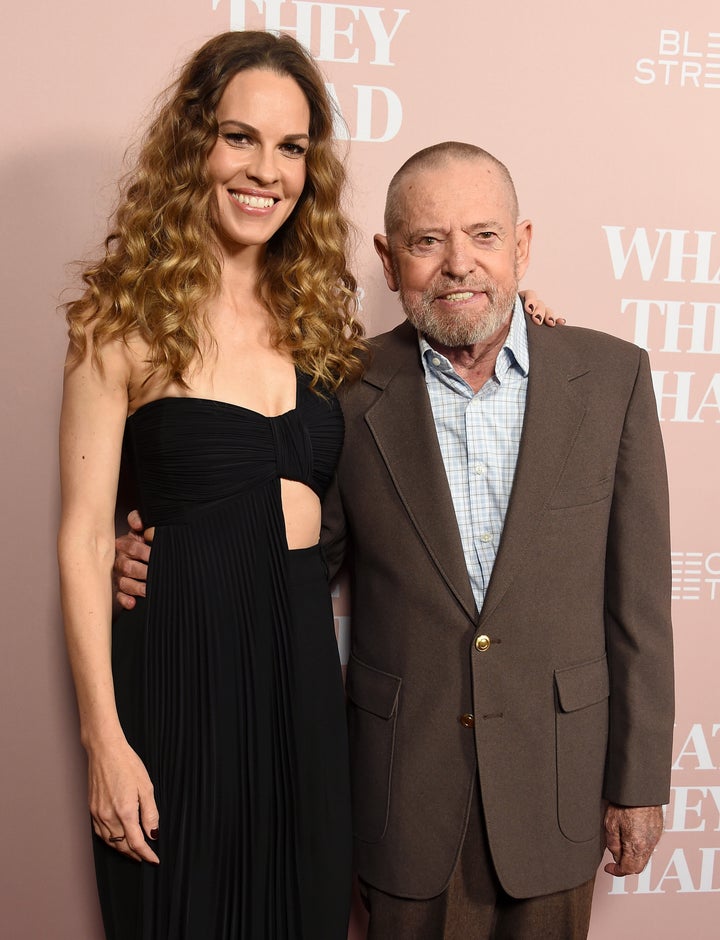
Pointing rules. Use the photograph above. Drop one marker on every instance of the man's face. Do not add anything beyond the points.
(457, 253)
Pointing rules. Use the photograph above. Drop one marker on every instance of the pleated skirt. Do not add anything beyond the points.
(246, 747)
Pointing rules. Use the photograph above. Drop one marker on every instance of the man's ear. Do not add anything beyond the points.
(523, 237)
(382, 247)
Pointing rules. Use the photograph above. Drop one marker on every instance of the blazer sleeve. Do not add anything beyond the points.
(637, 616)
(333, 534)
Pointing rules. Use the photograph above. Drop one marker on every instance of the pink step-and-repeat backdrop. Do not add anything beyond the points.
(608, 117)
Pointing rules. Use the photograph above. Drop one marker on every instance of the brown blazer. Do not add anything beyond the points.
(572, 699)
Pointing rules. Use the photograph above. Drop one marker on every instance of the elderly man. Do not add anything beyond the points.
(502, 500)
(503, 495)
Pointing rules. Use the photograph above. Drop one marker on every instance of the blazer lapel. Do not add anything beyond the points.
(554, 412)
(402, 425)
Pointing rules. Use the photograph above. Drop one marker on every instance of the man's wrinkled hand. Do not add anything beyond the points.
(631, 834)
(132, 553)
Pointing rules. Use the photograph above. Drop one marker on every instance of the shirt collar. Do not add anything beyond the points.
(514, 351)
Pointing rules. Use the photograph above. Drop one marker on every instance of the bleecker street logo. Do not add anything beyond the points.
(682, 59)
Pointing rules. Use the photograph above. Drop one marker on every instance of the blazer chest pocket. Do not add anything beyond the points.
(581, 493)
(581, 729)
(373, 698)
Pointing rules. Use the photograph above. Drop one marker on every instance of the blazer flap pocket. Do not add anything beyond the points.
(371, 689)
(583, 685)
(581, 493)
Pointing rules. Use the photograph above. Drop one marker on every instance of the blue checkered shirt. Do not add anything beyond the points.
(479, 436)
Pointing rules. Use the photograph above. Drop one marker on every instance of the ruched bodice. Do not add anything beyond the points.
(228, 683)
(195, 452)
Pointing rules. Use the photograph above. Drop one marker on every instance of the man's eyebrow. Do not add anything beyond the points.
(435, 229)
(485, 225)
(412, 234)
(242, 125)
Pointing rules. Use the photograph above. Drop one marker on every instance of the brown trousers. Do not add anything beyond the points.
(475, 907)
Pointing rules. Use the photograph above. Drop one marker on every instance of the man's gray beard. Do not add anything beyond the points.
(460, 330)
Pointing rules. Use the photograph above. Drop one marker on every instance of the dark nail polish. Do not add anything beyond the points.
(154, 833)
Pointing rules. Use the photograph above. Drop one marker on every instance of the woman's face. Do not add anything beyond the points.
(257, 164)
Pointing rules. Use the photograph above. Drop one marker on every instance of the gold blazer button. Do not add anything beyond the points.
(482, 642)
(467, 720)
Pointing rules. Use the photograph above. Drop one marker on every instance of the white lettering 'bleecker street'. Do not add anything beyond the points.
(680, 248)
(329, 29)
(683, 61)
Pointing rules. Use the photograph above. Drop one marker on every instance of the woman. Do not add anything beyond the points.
(213, 333)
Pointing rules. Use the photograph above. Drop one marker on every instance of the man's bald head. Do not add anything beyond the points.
(433, 158)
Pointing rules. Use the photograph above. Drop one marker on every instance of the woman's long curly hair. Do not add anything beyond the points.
(161, 263)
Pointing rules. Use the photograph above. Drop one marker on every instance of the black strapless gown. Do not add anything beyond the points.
(229, 686)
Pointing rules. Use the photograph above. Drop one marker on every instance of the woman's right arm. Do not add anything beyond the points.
(94, 410)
